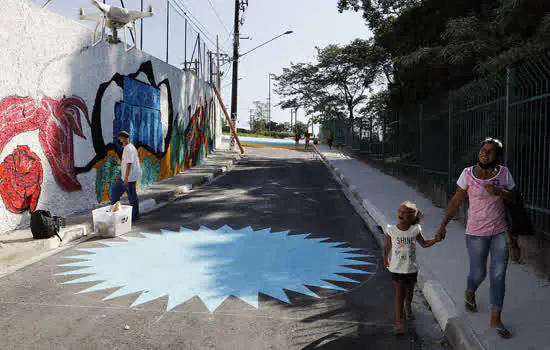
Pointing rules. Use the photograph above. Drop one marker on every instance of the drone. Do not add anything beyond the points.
(115, 18)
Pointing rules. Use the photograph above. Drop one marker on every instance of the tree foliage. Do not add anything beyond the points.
(439, 45)
(336, 83)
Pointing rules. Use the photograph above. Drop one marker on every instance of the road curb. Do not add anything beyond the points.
(455, 327)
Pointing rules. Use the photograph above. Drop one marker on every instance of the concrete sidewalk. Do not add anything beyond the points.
(444, 267)
(18, 248)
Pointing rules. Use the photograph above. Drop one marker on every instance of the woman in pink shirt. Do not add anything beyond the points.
(487, 186)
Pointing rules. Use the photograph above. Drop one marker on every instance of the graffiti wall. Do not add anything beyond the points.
(62, 102)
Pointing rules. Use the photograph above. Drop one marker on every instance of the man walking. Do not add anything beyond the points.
(131, 173)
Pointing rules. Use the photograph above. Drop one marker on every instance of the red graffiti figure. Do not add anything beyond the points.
(57, 121)
(20, 180)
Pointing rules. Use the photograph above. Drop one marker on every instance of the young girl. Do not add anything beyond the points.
(400, 258)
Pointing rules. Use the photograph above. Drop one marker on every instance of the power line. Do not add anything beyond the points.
(193, 25)
(228, 37)
(189, 15)
(192, 17)
(218, 15)
(182, 13)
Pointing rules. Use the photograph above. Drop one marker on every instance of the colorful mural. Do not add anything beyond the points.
(196, 138)
(139, 113)
(183, 142)
(150, 170)
(108, 173)
(20, 180)
(177, 147)
(57, 121)
(190, 144)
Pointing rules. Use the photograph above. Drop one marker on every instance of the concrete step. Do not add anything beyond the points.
(19, 246)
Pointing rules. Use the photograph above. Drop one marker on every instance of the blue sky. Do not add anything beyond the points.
(314, 22)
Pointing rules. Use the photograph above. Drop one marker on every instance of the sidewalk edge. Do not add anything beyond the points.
(150, 205)
(454, 325)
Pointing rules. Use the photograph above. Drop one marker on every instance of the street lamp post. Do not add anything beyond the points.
(267, 42)
(269, 102)
(269, 105)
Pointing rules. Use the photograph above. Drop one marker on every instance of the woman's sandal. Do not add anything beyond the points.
(399, 331)
(503, 332)
(470, 301)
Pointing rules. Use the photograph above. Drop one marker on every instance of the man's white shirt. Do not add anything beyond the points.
(130, 156)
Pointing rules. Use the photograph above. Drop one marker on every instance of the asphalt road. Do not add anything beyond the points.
(190, 280)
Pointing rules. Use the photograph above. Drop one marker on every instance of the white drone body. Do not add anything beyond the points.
(115, 18)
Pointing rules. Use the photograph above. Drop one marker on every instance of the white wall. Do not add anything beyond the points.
(45, 57)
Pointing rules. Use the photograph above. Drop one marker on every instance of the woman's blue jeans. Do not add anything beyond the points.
(479, 249)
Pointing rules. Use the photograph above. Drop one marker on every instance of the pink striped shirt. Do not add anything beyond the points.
(486, 214)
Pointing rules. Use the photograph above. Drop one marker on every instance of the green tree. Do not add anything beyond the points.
(339, 78)
(438, 45)
(259, 116)
(300, 128)
(378, 13)
(285, 127)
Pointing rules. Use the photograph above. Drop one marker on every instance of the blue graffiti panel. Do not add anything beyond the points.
(139, 114)
(140, 94)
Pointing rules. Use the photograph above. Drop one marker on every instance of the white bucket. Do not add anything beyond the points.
(112, 224)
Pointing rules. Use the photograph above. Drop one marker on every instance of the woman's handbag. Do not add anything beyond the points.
(518, 220)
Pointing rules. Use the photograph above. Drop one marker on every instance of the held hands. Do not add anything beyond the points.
(126, 182)
(441, 233)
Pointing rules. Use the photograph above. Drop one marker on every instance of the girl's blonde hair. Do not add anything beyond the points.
(419, 215)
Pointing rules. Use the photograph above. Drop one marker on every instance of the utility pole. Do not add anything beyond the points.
(185, 46)
(210, 67)
(141, 30)
(219, 81)
(269, 105)
(167, 28)
(234, 89)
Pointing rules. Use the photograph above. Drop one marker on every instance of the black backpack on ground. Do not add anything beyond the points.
(44, 225)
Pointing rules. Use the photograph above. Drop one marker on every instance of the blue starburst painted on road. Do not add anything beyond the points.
(214, 264)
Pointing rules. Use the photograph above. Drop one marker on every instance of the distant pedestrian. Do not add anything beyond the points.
(130, 175)
(297, 139)
(307, 140)
(400, 258)
(330, 139)
(488, 185)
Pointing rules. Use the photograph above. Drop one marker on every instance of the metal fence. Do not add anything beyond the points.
(429, 144)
